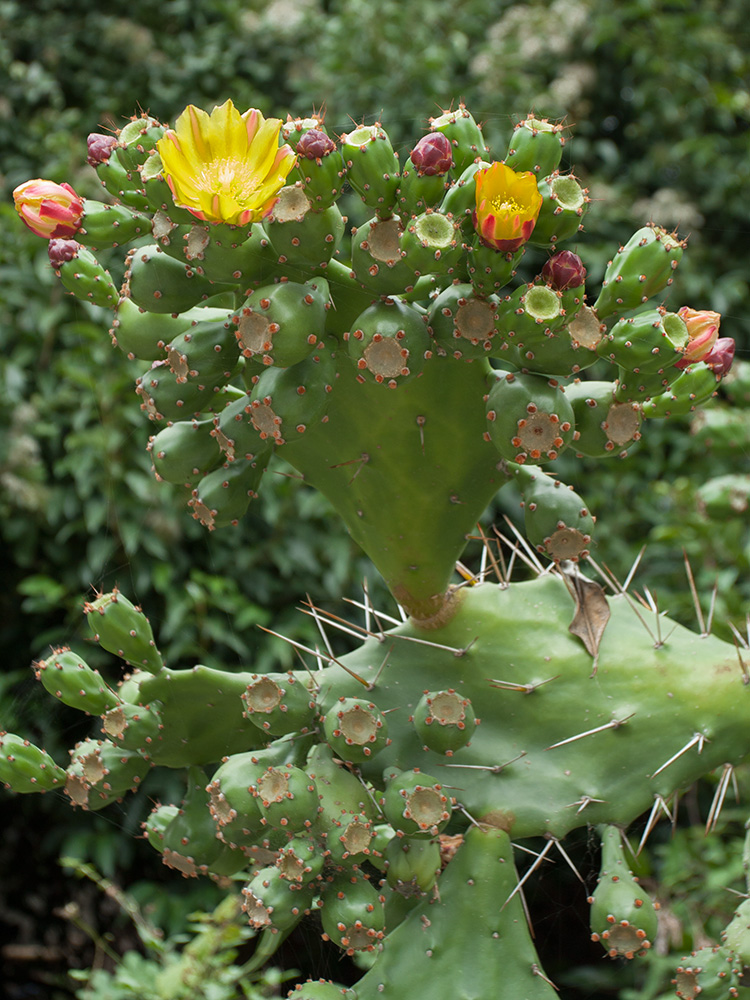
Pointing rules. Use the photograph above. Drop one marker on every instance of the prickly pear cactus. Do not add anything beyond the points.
(408, 372)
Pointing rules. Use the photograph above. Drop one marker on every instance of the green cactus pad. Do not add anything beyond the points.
(536, 145)
(26, 768)
(68, 677)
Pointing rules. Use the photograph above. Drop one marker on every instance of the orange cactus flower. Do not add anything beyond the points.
(507, 206)
(703, 330)
(50, 210)
(226, 166)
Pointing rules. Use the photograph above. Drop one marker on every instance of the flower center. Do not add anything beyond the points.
(506, 204)
(229, 177)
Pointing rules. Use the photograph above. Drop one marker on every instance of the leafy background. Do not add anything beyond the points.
(658, 96)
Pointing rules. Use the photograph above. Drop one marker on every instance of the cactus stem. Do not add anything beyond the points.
(612, 724)
(698, 739)
(727, 776)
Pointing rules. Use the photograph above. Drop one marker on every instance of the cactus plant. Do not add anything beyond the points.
(407, 374)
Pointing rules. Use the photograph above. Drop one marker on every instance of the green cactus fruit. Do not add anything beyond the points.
(341, 795)
(623, 918)
(134, 727)
(444, 720)
(432, 244)
(389, 343)
(221, 253)
(282, 324)
(556, 519)
(68, 677)
(378, 259)
(372, 167)
(319, 170)
(236, 435)
(205, 353)
(159, 283)
(735, 937)
(104, 225)
(156, 823)
(528, 417)
(650, 342)
(322, 989)
(300, 233)
(285, 402)
(464, 134)
(301, 860)
(123, 629)
(279, 703)
(710, 973)
(640, 269)
(425, 175)
(552, 354)
(232, 803)
(413, 865)
(100, 773)
(355, 729)
(490, 269)
(189, 841)
(480, 882)
(416, 804)
(287, 798)
(604, 426)
(695, 385)
(563, 206)
(349, 840)
(183, 452)
(463, 324)
(82, 274)
(125, 184)
(724, 496)
(137, 139)
(536, 145)
(223, 496)
(26, 768)
(142, 334)
(271, 901)
(353, 914)
(165, 397)
(632, 387)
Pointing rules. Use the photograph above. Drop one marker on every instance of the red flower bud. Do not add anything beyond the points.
(433, 155)
(314, 144)
(61, 251)
(49, 209)
(721, 356)
(100, 148)
(564, 270)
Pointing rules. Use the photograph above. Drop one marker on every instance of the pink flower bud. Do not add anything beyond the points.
(314, 144)
(703, 330)
(721, 356)
(61, 251)
(99, 148)
(564, 270)
(49, 209)
(433, 155)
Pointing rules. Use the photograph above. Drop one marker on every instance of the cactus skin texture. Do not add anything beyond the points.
(407, 373)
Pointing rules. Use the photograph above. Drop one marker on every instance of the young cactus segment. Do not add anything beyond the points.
(82, 274)
(536, 145)
(416, 805)
(353, 914)
(444, 720)
(319, 170)
(206, 353)
(649, 343)
(185, 451)
(529, 417)
(279, 703)
(285, 402)
(623, 918)
(282, 324)
(100, 773)
(372, 167)
(604, 426)
(300, 233)
(490, 269)
(236, 435)
(301, 861)
(478, 881)
(378, 257)
(134, 727)
(389, 343)
(412, 865)
(223, 496)
(68, 677)
(273, 902)
(695, 385)
(355, 729)
(465, 136)
(432, 244)
(463, 324)
(159, 283)
(640, 269)
(189, 842)
(736, 935)
(556, 519)
(166, 396)
(156, 823)
(26, 768)
(287, 799)
(123, 629)
(144, 335)
(564, 203)
(137, 140)
(709, 973)
(104, 226)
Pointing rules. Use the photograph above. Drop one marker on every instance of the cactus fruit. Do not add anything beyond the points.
(406, 372)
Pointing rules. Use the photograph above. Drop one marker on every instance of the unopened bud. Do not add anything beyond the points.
(703, 329)
(48, 209)
(721, 356)
(564, 270)
(433, 155)
(314, 144)
(61, 251)
(99, 148)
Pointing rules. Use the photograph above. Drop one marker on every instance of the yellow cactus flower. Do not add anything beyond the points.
(225, 167)
(507, 206)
